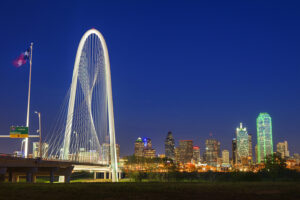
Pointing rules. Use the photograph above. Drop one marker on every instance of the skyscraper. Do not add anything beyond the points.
(185, 151)
(256, 157)
(212, 151)
(242, 141)
(148, 151)
(282, 149)
(234, 152)
(250, 148)
(177, 155)
(219, 149)
(225, 157)
(143, 148)
(147, 142)
(138, 147)
(196, 154)
(170, 146)
(36, 149)
(264, 136)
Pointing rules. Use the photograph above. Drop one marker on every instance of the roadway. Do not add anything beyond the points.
(14, 167)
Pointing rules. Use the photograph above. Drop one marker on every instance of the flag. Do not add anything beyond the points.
(22, 59)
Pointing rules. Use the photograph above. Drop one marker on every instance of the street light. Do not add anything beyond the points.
(40, 132)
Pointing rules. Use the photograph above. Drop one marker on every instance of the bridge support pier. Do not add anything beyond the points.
(68, 174)
(15, 178)
(10, 178)
(30, 175)
(2, 173)
(51, 176)
(33, 179)
(52, 170)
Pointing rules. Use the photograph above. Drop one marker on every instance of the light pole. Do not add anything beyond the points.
(40, 132)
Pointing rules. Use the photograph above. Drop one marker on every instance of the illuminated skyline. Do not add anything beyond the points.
(191, 68)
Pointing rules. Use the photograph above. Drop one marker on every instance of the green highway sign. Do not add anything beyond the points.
(18, 132)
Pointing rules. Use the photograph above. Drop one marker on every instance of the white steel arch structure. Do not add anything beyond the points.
(88, 98)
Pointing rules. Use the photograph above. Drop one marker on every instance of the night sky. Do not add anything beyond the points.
(190, 67)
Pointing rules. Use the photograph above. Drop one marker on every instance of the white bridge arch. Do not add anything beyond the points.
(88, 87)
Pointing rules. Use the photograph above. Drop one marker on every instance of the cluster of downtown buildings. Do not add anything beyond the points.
(213, 158)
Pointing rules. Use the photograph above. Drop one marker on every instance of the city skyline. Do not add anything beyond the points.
(244, 142)
(232, 62)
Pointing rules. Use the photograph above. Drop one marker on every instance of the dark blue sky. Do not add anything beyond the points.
(192, 67)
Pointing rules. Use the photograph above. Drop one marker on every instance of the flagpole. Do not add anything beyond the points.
(28, 104)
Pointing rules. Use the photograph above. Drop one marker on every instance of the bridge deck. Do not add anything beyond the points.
(14, 167)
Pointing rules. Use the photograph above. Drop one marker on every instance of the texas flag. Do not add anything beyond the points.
(22, 59)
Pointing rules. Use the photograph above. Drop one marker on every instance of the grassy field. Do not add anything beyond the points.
(93, 191)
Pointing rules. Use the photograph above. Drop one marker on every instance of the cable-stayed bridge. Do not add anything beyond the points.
(84, 132)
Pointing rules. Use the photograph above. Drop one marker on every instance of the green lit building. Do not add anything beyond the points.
(264, 136)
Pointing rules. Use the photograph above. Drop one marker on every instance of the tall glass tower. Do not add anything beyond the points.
(242, 139)
(170, 146)
(264, 136)
(234, 152)
(212, 150)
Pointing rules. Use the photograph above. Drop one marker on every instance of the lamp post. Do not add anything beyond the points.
(40, 132)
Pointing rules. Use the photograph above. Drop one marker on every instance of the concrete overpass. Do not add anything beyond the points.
(14, 167)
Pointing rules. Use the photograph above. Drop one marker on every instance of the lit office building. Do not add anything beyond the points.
(196, 154)
(148, 151)
(105, 153)
(225, 157)
(185, 151)
(264, 136)
(138, 147)
(250, 148)
(177, 155)
(212, 150)
(256, 157)
(170, 146)
(147, 143)
(234, 152)
(219, 150)
(36, 150)
(282, 149)
(296, 156)
(143, 148)
(242, 141)
(88, 156)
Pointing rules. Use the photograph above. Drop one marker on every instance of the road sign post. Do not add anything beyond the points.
(18, 132)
